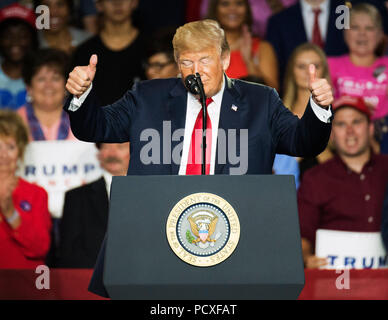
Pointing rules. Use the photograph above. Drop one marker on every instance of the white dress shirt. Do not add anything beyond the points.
(214, 110)
(309, 17)
(108, 181)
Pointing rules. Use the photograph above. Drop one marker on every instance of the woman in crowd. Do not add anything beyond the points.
(119, 47)
(17, 38)
(261, 10)
(160, 62)
(25, 221)
(45, 75)
(361, 72)
(61, 35)
(296, 88)
(250, 56)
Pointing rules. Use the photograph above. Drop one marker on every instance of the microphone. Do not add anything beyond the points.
(192, 85)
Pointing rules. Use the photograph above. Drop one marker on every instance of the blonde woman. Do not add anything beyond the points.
(296, 89)
(25, 222)
(362, 73)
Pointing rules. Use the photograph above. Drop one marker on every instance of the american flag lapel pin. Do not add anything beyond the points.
(234, 107)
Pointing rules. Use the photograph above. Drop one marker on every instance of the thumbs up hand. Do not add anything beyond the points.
(320, 89)
(81, 77)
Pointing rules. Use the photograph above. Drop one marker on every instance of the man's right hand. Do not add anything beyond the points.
(81, 78)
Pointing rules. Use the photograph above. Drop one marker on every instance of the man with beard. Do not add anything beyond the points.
(85, 213)
(345, 193)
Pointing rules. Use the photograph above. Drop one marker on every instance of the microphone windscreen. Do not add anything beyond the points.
(191, 84)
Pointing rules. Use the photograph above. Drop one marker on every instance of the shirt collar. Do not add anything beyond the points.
(306, 7)
(370, 163)
(217, 98)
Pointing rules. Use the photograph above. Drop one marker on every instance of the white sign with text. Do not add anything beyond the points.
(58, 166)
(355, 250)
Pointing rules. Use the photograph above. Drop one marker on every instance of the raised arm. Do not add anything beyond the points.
(90, 121)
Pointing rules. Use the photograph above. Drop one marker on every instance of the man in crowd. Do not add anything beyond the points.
(85, 214)
(252, 112)
(306, 21)
(345, 193)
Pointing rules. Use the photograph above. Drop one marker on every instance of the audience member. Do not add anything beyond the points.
(296, 89)
(88, 14)
(119, 47)
(85, 214)
(306, 21)
(160, 62)
(361, 72)
(44, 74)
(24, 217)
(249, 55)
(17, 38)
(261, 11)
(153, 15)
(384, 221)
(61, 35)
(345, 193)
(381, 6)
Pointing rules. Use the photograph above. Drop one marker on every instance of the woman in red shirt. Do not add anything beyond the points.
(25, 221)
(250, 56)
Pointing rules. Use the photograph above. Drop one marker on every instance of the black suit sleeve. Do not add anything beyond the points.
(95, 123)
(305, 137)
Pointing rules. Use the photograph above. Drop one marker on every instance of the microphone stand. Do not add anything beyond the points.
(204, 122)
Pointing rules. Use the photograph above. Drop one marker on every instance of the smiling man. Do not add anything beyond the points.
(250, 115)
(345, 193)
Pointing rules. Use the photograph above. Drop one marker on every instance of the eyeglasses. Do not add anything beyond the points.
(157, 66)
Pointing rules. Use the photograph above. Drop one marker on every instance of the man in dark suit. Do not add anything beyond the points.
(295, 25)
(85, 214)
(249, 115)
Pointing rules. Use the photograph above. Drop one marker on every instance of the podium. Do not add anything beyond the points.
(266, 262)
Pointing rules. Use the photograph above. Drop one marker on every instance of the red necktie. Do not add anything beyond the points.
(194, 161)
(317, 38)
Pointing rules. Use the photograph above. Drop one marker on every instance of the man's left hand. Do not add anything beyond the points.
(320, 89)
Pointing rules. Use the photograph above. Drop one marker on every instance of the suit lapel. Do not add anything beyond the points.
(177, 106)
(298, 24)
(99, 197)
(232, 107)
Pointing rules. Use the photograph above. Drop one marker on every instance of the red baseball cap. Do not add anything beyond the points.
(357, 103)
(17, 11)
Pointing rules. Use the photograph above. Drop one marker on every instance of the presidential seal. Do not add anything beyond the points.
(203, 229)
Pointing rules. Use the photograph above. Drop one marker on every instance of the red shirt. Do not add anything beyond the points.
(26, 247)
(332, 196)
(237, 67)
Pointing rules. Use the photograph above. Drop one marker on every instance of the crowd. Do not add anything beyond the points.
(272, 42)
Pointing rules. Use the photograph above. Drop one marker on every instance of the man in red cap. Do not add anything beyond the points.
(17, 37)
(345, 193)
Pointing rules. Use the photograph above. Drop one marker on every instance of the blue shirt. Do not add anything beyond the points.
(284, 164)
(12, 92)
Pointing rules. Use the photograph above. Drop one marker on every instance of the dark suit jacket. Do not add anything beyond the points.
(83, 226)
(285, 31)
(272, 128)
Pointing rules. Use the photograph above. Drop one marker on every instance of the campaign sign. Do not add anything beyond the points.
(58, 166)
(354, 250)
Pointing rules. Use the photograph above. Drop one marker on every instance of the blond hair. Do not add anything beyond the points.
(290, 86)
(12, 125)
(199, 35)
(371, 11)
